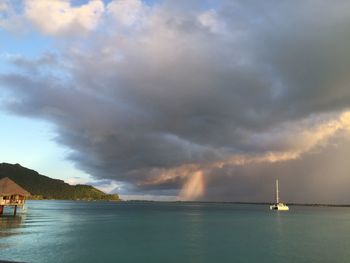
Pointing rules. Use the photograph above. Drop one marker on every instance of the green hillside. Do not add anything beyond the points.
(43, 187)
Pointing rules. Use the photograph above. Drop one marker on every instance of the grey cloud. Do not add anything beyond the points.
(174, 93)
(45, 61)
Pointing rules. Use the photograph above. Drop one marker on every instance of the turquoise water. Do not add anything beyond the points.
(63, 231)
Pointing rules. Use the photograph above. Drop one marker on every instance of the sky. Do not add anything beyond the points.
(180, 100)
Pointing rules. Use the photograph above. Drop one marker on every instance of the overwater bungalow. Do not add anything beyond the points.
(11, 194)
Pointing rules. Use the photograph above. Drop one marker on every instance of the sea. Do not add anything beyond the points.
(76, 231)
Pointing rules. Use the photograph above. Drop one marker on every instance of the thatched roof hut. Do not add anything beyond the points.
(11, 194)
(10, 188)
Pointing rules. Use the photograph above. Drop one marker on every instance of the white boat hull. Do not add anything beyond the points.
(279, 207)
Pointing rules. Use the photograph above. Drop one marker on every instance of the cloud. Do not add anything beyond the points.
(3, 6)
(165, 99)
(127, 12)
(302, 141)
(60, 17)
(210, 20)
(4, 10)
(39, 65)
(9, 19)
(315, 178)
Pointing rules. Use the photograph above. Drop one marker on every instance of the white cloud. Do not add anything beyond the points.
(126, 12)
(3, 6)
(210, 20)
(58, 16)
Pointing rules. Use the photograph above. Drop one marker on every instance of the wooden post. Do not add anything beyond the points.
(1, 209)
(15, 211)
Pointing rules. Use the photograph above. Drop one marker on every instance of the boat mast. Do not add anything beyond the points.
(277, 197)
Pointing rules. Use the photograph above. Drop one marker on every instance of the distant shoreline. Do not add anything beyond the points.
(195, 202)
(85, 200)
(238, 203)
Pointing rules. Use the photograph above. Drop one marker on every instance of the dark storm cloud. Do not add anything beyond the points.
(189, 86)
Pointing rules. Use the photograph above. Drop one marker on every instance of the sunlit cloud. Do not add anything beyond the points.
(60, 17)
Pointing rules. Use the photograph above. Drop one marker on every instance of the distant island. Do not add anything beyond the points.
(43, 187)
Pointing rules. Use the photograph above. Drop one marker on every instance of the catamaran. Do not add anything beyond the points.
(279, 205)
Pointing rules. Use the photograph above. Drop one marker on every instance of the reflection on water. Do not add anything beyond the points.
(9, 224)
(7, 221)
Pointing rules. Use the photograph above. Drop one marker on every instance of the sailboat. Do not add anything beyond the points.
(279, 205)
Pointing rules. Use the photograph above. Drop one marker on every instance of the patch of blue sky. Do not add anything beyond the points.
(29, 45)
(30, 142)
(33, 49)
